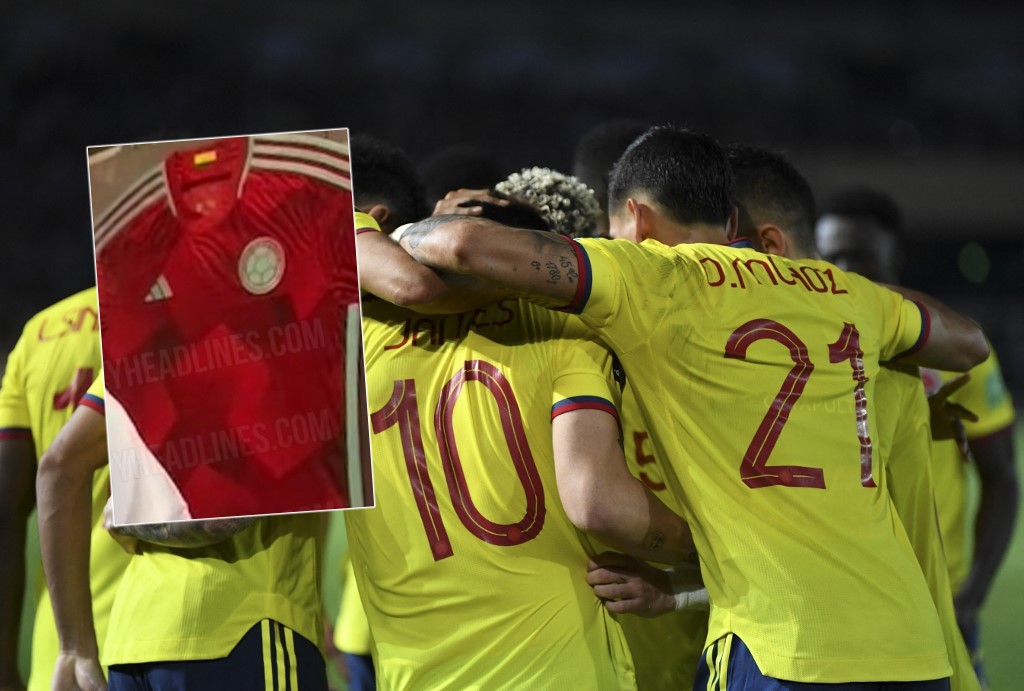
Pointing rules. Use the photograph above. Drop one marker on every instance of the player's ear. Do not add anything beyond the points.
(640, 216)
(772, 240)
(380, 213)
(732, 226)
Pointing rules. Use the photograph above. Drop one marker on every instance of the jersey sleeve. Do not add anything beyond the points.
(94, 397)
(365, 223)
(986, 396)
(15, 421)
(584, 379)
(623, 290)
(905, 325)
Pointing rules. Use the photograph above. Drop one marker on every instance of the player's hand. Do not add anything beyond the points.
(78, 673)
(129, 543)
(947, 417)
(466, 202)
(628, 585)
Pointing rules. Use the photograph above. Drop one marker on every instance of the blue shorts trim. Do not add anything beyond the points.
(728, 665)
(268, 657)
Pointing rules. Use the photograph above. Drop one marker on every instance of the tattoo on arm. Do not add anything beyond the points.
(654, 539)
(185, 534)
(417, 232)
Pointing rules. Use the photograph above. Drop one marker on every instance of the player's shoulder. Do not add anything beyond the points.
(69, 314)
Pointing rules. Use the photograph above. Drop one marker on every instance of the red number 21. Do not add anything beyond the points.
(754, 470)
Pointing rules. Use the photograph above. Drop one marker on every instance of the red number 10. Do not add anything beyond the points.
(401, 410)
(754, 470)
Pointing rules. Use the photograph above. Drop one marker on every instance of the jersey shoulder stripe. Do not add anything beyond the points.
(93, 402)
(579, 300)
(573, 403)
(149, 189)
(926, 328)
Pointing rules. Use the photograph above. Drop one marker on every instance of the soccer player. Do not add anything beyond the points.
(473, 533)
(231, 603)
(735, 359)
(862, 230)
(777, 213)
(48, 371)
(227, 281)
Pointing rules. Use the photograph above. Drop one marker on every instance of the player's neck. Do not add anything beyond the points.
(690, 233)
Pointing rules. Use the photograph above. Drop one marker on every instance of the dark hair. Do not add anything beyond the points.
(770, 189)
(457, 167)
(599, 149)
(866, 204)
(685, 172)
(383, 173)
(517, 214)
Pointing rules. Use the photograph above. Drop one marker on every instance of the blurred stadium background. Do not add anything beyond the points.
(924, 99)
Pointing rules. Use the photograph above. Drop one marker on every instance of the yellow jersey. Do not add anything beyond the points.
(755, 374)
(905, 445)
(986, 396)
(196, 604)
(48, 371)
(470, 572)
(681, 632)
(365, 223)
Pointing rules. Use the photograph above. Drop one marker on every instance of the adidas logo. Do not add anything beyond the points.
(161, 290)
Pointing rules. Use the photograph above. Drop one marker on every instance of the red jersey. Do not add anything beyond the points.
(226, 280)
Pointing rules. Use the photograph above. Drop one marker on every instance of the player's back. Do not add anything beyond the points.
(756, 376)
(471, 573)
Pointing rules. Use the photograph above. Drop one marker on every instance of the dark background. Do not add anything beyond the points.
(924, 99)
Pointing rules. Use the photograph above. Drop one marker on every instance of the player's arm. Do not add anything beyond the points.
(18, 497)
(387, 271)
(993, 526)
(185, 534)
(602, 498)
(953, 342)
(64, 492)
(536, 264)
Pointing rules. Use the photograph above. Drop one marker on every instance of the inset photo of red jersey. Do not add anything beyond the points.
(230, 327)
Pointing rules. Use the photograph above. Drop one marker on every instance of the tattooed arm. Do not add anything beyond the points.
(602, 498)
(535, 264)
(387, 271)
(185, 534)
